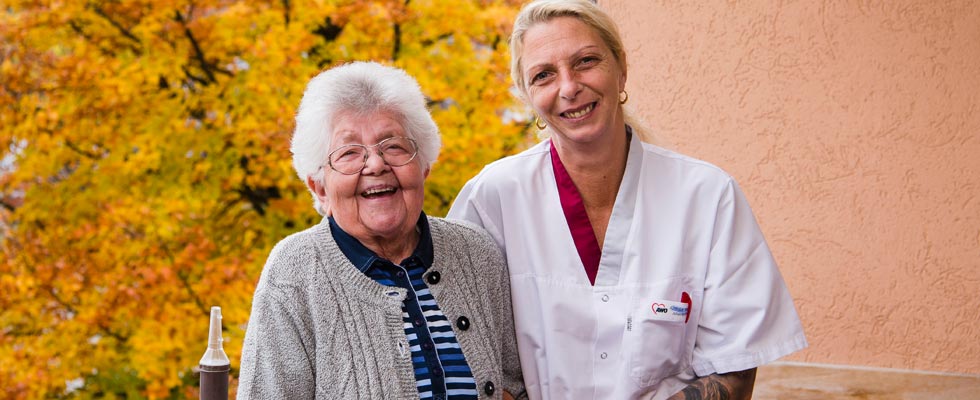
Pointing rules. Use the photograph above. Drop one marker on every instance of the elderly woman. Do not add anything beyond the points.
(636, 272)
(377, 301)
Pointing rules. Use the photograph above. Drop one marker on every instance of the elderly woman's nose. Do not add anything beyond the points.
(374, 163)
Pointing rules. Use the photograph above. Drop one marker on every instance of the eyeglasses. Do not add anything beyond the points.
(395, 151)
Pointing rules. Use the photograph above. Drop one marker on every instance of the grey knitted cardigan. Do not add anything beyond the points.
(322, 329)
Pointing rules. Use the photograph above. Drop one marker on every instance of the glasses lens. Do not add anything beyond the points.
(348, 159)
(398, 150)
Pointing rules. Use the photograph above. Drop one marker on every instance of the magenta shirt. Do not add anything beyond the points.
(577, 218)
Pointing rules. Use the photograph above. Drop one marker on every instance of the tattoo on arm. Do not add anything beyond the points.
(731, 386)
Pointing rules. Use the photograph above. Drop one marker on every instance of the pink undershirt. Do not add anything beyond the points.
(578, 219)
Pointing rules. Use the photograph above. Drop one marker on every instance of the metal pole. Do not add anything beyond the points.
(214, 366)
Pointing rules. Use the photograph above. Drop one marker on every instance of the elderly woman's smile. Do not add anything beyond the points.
(378, 191)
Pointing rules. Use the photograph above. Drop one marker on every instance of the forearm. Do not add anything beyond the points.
(731, 386)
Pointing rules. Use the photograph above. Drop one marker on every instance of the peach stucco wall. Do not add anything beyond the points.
(854, 128)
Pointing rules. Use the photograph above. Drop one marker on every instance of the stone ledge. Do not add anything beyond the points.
(804, 381)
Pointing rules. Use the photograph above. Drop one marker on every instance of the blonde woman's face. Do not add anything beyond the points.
(573, 80)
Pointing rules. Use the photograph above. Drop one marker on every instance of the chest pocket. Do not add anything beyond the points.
(660, 330)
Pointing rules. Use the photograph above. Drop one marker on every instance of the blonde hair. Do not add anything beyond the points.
(591, 15)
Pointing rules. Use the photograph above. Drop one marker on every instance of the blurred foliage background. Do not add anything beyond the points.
(145, 171)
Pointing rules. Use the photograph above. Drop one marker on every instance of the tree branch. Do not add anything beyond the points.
(109, 332)
(102, 326)
(137, 45)
(190, 75)
(8, 206)
(70, 145)
(397, 39)
(187, 284)
(328, 30)
(198, 52)
(285, 12)
(259, 197)
(190, 291)
(81, 32)
(430, 42)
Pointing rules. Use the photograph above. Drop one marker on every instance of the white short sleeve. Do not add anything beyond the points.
(748, 318)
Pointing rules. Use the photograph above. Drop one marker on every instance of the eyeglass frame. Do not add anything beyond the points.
(367, 154)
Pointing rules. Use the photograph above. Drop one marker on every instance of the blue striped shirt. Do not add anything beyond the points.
(441, 371)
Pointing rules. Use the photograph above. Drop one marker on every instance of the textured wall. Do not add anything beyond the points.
(854, 128)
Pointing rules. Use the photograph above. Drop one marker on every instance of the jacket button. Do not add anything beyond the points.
(434, 278)
(463, 323)
(488, 388)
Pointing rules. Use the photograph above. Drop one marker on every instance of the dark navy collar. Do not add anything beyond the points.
(363, 258)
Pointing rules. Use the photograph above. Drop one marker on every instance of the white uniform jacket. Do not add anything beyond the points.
(686, 285)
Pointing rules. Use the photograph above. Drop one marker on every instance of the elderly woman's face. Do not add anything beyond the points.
(380, 202)
(573, 80)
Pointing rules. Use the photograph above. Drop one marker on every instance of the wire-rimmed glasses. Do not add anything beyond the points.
(395, 151)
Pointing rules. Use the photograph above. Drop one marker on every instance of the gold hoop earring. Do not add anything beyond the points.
(539, 124)
(625, 97)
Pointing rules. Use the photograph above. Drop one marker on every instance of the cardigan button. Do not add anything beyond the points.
(463, 323)
(488, 389)
(434, 277)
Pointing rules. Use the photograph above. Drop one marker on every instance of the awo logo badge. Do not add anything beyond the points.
(666, 310)
(659, 308)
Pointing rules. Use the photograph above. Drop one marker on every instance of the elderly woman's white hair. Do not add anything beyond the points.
(361, 88)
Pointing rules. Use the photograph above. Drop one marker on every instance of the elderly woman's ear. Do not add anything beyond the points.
(321, 194)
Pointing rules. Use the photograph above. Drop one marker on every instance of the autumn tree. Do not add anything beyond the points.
(145, 171)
